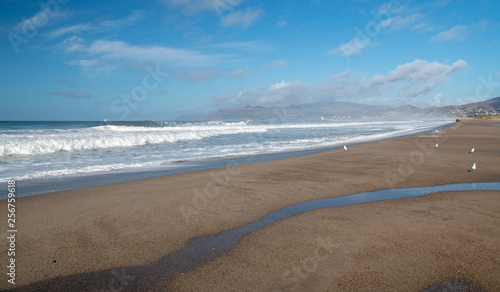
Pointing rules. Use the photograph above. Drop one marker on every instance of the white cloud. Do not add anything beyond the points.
(72, 44)
(403, 84)
(280, 85)
(400, 22)
(70, 29)
(101, 26)
(106, 51)
(199, 76)
(353, 47)
(421, 77)
(39, 19)
(238, 73)
(484, 23)
(121, 50)
(437, 100)
(84, 63)
(392, 7)
(282, 23)
(389, 16)
(195, 6)
(420, 70)
(71, 94)
(443, 2)
(256, 46)
(244, 18)
(423, 27)
(279, 93)
(275, 64)
(458, 32)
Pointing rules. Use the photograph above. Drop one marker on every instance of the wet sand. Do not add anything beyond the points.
(410, 243)
(396, 245)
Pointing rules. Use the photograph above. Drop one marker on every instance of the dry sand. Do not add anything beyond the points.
(405, 244)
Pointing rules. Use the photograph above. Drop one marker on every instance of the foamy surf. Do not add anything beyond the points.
(31, 150)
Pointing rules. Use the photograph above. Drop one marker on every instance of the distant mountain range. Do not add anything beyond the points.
(346, 110)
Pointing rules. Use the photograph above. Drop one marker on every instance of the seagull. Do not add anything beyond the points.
(345, 148)
(472, 150)
(436, 146)
(473, 167)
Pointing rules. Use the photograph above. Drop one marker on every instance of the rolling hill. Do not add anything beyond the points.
(346, 110)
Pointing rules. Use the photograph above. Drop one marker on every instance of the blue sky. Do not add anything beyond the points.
(156, 60)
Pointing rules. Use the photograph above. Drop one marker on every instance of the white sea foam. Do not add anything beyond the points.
(33, 153)
(32, 142)
(103, 137)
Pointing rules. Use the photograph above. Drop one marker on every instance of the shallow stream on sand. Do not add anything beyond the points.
(205, 248)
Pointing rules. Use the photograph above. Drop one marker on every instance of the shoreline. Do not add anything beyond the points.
(138, 222)
(42, 186)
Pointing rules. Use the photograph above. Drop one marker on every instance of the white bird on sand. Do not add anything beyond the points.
(473, 167)
(345, 148)
(472, 150)
(436, 146)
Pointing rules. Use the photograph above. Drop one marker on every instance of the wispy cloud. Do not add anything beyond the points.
(199, 76)
(102, 51)
(437, 100)
(388, 17)
(276, 64)
(423, 27)
(458, 32)
(85, 63)
(353, 47)
(71, 94)
(238, 73)
(405, 82)
(256, 46)
(67, 30)
(279, 93)
(195, 6)
(420, 76)
(227, 11)
(282, 23)
(242, 18)
(39, 19)
(400, 21)
(98, 27)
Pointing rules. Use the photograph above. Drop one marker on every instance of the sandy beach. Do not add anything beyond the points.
(397, 245)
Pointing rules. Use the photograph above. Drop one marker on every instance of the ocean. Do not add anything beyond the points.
(51, 156)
